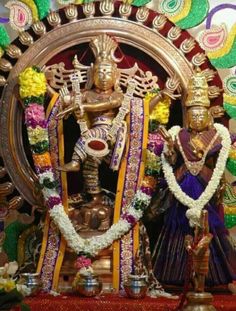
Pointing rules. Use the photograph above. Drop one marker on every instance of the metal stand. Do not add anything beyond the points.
(199, 302)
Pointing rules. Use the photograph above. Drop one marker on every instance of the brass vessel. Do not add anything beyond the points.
(88, 285)
(136, 286)
(32, 281)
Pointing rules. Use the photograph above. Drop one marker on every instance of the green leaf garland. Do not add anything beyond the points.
(40, 147)
(4, 37)
(230, 221)
(231, 166)
(226, 61)
(231, 110)
(198, 12)
(140, 2)
(43, 7)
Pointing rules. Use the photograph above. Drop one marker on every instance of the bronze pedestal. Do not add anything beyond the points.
(199, 302)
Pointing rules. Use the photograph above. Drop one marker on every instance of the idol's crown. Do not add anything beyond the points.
(197, 90)
(104, 48)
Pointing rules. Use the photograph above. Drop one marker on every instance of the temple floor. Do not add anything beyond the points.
(111, 302)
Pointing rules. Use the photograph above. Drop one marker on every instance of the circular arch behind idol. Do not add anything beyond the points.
(62, 37)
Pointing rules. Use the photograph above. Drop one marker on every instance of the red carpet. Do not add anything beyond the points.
(115, 303)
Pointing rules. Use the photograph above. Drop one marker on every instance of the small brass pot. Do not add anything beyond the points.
(136, 286)
(32, 281)
(88, 285)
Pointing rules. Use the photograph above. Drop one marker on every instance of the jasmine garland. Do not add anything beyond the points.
(195, 206)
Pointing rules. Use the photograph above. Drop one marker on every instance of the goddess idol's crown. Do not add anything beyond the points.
(197, 90)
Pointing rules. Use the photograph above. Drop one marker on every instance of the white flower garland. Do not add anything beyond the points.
(195, 206)
(95, 244)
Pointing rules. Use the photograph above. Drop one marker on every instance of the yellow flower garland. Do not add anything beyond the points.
(229, 210)
(183, 13)
(232, 153)
(32, 83)
(37, 134)
(161, 110)
(229, 99)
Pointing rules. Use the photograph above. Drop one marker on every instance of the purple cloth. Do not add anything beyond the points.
(170, 256)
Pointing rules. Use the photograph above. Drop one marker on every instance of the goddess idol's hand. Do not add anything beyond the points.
(170, 153)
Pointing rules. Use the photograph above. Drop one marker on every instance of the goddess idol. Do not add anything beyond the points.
(193, 163)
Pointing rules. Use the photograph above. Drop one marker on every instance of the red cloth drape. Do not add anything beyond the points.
(115, 303)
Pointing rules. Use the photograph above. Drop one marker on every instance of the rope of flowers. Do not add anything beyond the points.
(195, 206)
(32, 91)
